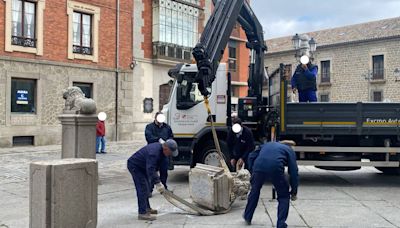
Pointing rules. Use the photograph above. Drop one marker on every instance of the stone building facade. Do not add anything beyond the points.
(41, 54)
(355, 62)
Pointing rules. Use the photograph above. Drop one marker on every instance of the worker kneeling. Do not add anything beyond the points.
(269, 165)
(240, 143)
(143, 166)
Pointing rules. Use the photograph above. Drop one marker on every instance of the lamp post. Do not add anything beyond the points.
(368, 77)
(396, 73)
(303, 45)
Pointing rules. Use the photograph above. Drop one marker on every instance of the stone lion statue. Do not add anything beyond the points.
(76, 102)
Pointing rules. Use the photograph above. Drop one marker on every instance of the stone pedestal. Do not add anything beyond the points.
(210, 187)
(78, 135)
(63, 193)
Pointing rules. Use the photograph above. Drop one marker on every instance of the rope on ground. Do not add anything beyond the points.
(190, 207)
(239, 182)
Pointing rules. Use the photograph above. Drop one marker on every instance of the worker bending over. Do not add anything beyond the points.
(270, 166)
(240, 143)
(143, 166)
(159, 131)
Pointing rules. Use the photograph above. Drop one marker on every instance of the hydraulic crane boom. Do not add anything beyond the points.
(209, 51)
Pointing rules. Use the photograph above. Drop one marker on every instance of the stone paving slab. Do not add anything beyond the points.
(362, 198)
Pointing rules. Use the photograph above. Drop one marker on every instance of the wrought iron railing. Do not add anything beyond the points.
(82, 50)
(23, 41)
(162, 50)
(325, 77)
(378, 74)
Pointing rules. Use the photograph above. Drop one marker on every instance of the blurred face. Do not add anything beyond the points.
(304, 59)
(167, 152)
(160, 118)
(236, 128)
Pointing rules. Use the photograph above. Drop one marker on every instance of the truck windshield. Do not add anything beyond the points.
(188, 95)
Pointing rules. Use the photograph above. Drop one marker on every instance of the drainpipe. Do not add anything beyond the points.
(116, 70)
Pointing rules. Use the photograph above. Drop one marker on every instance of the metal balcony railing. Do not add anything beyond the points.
(377, 74)
(162, 50)
(325, 77)
(23, 41)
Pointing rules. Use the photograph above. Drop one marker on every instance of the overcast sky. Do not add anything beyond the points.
(287, 17)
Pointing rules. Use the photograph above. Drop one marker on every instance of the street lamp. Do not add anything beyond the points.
(296, 41)
(396, 73)
(313, 45)
(303, 45)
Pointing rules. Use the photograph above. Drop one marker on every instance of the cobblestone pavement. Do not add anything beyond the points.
(362, 198)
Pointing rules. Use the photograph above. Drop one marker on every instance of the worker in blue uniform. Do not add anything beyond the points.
(143, 166)
(304, 81)
(159, 131)
(240, 143)
(270, 166)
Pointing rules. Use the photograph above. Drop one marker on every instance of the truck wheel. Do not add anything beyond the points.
(389, 170)
(209, 155)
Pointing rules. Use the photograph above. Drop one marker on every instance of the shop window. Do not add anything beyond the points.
(87, 88)
(23, 95)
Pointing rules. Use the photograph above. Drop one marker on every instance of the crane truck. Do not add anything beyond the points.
(339, 136)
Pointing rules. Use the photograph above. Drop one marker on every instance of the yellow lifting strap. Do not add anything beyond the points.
(215, 136)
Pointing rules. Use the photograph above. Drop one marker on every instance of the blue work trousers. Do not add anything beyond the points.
(141, 181)
(282, 189)
(100, 144)
(307, 96)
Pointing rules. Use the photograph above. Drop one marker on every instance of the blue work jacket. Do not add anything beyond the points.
(149, 158)
(272, 159)
(240, 147)
(154, 132)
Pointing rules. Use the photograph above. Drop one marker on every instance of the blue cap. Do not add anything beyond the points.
(173, 146)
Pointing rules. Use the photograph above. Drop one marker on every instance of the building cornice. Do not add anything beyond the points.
(388, 38)
(62, 64)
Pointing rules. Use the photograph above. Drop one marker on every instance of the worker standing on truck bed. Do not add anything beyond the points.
(159, 131)
(270, 166)
(240, 143)
(143, 165)
(304, 80)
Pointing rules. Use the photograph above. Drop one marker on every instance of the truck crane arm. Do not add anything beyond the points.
(209, 51)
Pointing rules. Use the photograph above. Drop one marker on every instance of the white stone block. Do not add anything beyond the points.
(210, 187)
(63, 193)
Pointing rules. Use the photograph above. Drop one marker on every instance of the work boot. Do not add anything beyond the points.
(248, 222)
(147, 217)
(152, 211)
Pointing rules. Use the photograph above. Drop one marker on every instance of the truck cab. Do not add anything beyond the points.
(188, 118)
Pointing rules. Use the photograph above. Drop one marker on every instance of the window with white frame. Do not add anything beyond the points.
(24, 26)
(23, 23)
(176, 22)
(82, 29)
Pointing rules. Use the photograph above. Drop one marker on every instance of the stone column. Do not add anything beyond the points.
(78, 135)
(63, 193)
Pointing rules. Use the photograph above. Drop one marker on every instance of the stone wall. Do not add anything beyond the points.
(348, 63)
(51, 79)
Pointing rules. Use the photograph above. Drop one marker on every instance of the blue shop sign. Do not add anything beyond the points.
(22, 97)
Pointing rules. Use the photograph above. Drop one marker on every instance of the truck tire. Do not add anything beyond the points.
(389, 170)
(208, 154)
